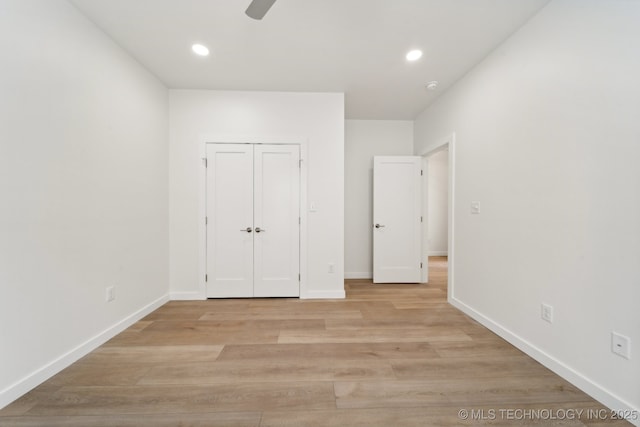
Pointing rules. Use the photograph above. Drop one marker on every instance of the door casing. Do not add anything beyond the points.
(447, 143)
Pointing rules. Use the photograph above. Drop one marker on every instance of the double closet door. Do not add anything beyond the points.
(253, 214)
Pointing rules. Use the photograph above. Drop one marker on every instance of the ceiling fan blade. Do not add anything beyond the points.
(258, 8)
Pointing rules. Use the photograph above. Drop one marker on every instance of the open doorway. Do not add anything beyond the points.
(437, 208)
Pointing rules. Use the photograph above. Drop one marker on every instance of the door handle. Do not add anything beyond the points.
(379, 226)
(258, 229)
(248, 229)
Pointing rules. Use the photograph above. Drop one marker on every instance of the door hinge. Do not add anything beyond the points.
(300, 163)
(298, 277)
(206, 220)
(420, 219)
(299, 220)
(420, 265)
(421, 172)
(204, 161)
(206, 278)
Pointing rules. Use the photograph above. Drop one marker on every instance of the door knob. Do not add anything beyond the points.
(248, 229)
(379, 226)
(258, 229)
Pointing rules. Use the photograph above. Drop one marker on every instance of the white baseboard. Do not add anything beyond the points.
(363, 275)
(196, 296)
(438, 253)
(585, 384)
(186, 296)
(42, 374)
(340, 294)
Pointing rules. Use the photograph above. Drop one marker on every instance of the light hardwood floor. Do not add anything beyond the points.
(387, 355)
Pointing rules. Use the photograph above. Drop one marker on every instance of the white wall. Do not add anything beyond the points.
(83, 190)
(316, 117)
(363, 140)
(437, 215)
(547, 139)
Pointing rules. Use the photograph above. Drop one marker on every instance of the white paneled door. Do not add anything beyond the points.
(253, 210)
(396, 219)
(276, 247)
(229, 220)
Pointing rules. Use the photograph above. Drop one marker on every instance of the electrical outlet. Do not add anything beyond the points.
(546, 312)
(475, 208)
(111, 293)
(332, 268)
(621, 345)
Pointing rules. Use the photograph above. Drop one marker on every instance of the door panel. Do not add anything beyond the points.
(229, 210)
(276, 211)
(396, 210)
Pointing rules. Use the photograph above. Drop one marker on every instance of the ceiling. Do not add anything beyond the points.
(352, 46)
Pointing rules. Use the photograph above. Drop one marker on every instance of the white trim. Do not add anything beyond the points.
(340, 294)
(448, 143)
(303, 142)
(438, 253)
(184, 296)
(424, 222)
(585, 384)
(359, 275)
(451, 228)
(19, 388)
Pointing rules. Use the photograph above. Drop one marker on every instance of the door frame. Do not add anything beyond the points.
(449, 142)
(202, 198)
(424, 220)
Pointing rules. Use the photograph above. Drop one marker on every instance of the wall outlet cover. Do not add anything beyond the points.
(621, 345)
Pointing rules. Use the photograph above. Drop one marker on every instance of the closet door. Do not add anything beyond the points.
(229, 220)
(276, 221)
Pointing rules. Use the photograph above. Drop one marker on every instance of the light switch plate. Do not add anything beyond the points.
(110, 293)
(475, 208)
(546, 312)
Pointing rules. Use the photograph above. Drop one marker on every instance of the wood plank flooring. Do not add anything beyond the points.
(387, 355)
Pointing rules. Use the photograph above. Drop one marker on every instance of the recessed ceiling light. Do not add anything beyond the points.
(432, 85)
(414, 55)
(199, 49)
